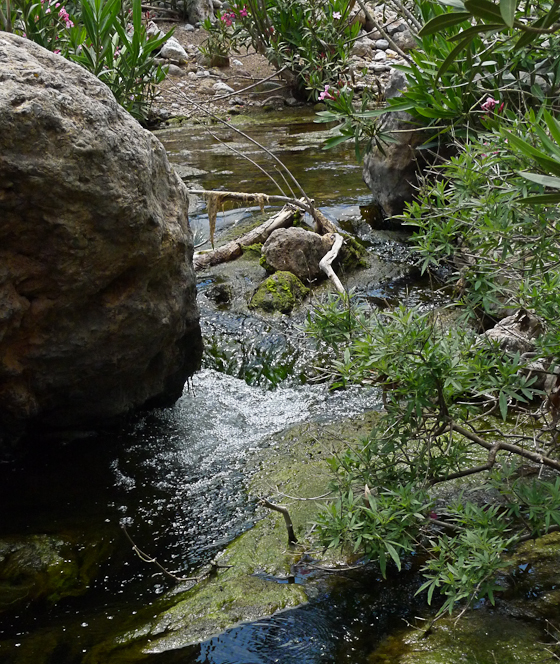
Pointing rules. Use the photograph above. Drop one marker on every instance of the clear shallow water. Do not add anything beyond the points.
(177, 476)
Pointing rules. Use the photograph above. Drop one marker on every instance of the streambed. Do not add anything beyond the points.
(178, 476)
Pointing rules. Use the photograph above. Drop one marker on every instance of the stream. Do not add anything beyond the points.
(177, 477)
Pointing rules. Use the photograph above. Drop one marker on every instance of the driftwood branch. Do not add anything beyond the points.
(328, 258)
(147, 559)
(234, 249)
(292, 539)
(471, 471)
(532, 456)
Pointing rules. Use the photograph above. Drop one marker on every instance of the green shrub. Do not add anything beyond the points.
(107, 38)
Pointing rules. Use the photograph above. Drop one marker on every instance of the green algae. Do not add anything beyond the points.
(42, 567)
(479, 637)
(279, 292)
(292, 464)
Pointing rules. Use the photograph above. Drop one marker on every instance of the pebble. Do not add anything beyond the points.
(188, 27)
(202, 74)
(220, 86)
(380, 55)
(192, 75)
(390, 51)
(382, 44)
(237, 63)
(378, 68)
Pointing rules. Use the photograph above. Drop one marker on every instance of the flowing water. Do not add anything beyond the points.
(177, 476)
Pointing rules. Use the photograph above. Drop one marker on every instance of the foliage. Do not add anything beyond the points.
(104, 36)
(501, 252)
(309, 38)
(437, 382)
(465, 68)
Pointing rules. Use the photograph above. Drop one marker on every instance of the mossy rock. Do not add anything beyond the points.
(280, 292)
(479, 637)
(353, 253)
(42, 567)
(294, 462)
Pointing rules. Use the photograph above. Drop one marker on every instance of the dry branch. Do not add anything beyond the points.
(292, 539)
(328, 258)
(234, 249)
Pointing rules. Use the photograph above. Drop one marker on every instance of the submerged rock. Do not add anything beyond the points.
(97, 292)
(42, 567)
(280, 292)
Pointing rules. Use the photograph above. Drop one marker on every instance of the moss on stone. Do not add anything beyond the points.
(353, 253)
(479, 637)
(293, 462)
(253, 250)
(280, 292)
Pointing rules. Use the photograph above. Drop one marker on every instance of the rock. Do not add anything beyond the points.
(382, 44)
(153, 31)
(404, 40)
(516, 334)
(396, 83)
(237, 63)
(188, 27)
(363, 48)
(297, 251)
(222, 87)
(280, 292)
(42, 567)
(175, 71)
(380, 56)
(98, 313)
(392, 176)
(172, 50)
(199, 10)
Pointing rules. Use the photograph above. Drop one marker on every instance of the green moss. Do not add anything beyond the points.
(293, 462)
(253, 250)
(41, 567)
(280, 292)
(353, 253)
(479, 637)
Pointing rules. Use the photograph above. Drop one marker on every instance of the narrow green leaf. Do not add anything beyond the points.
(553, 126)
(503, 405)
(394, 555)
(484, 9)
(543, 199)
(334, 141)
(443, 21)
(507, 10)
(476, 29)
(451, 57)
(545, 180)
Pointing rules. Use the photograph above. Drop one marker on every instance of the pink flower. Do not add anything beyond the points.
(489, 105)
(244, 12)
(326, 94)
(336, 14)
(56, 50)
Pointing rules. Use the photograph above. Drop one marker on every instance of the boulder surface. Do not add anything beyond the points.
(98, 310)
(297, 251)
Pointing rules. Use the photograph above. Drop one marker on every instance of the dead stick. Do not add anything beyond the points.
(292, 539)
(328, 258)
(144, 557)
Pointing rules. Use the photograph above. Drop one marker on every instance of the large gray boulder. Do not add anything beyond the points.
(97, 292)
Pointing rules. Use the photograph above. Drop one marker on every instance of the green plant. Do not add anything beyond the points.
(107, 38)
(222, 39)
(308, 39)
(440, 387)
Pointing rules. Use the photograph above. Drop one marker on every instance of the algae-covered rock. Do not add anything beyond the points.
(280, 292)
(42, 567)
(479, 637)
(534, 584)
(249, 589)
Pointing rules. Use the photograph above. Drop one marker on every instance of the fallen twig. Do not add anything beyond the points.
(292, 539)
